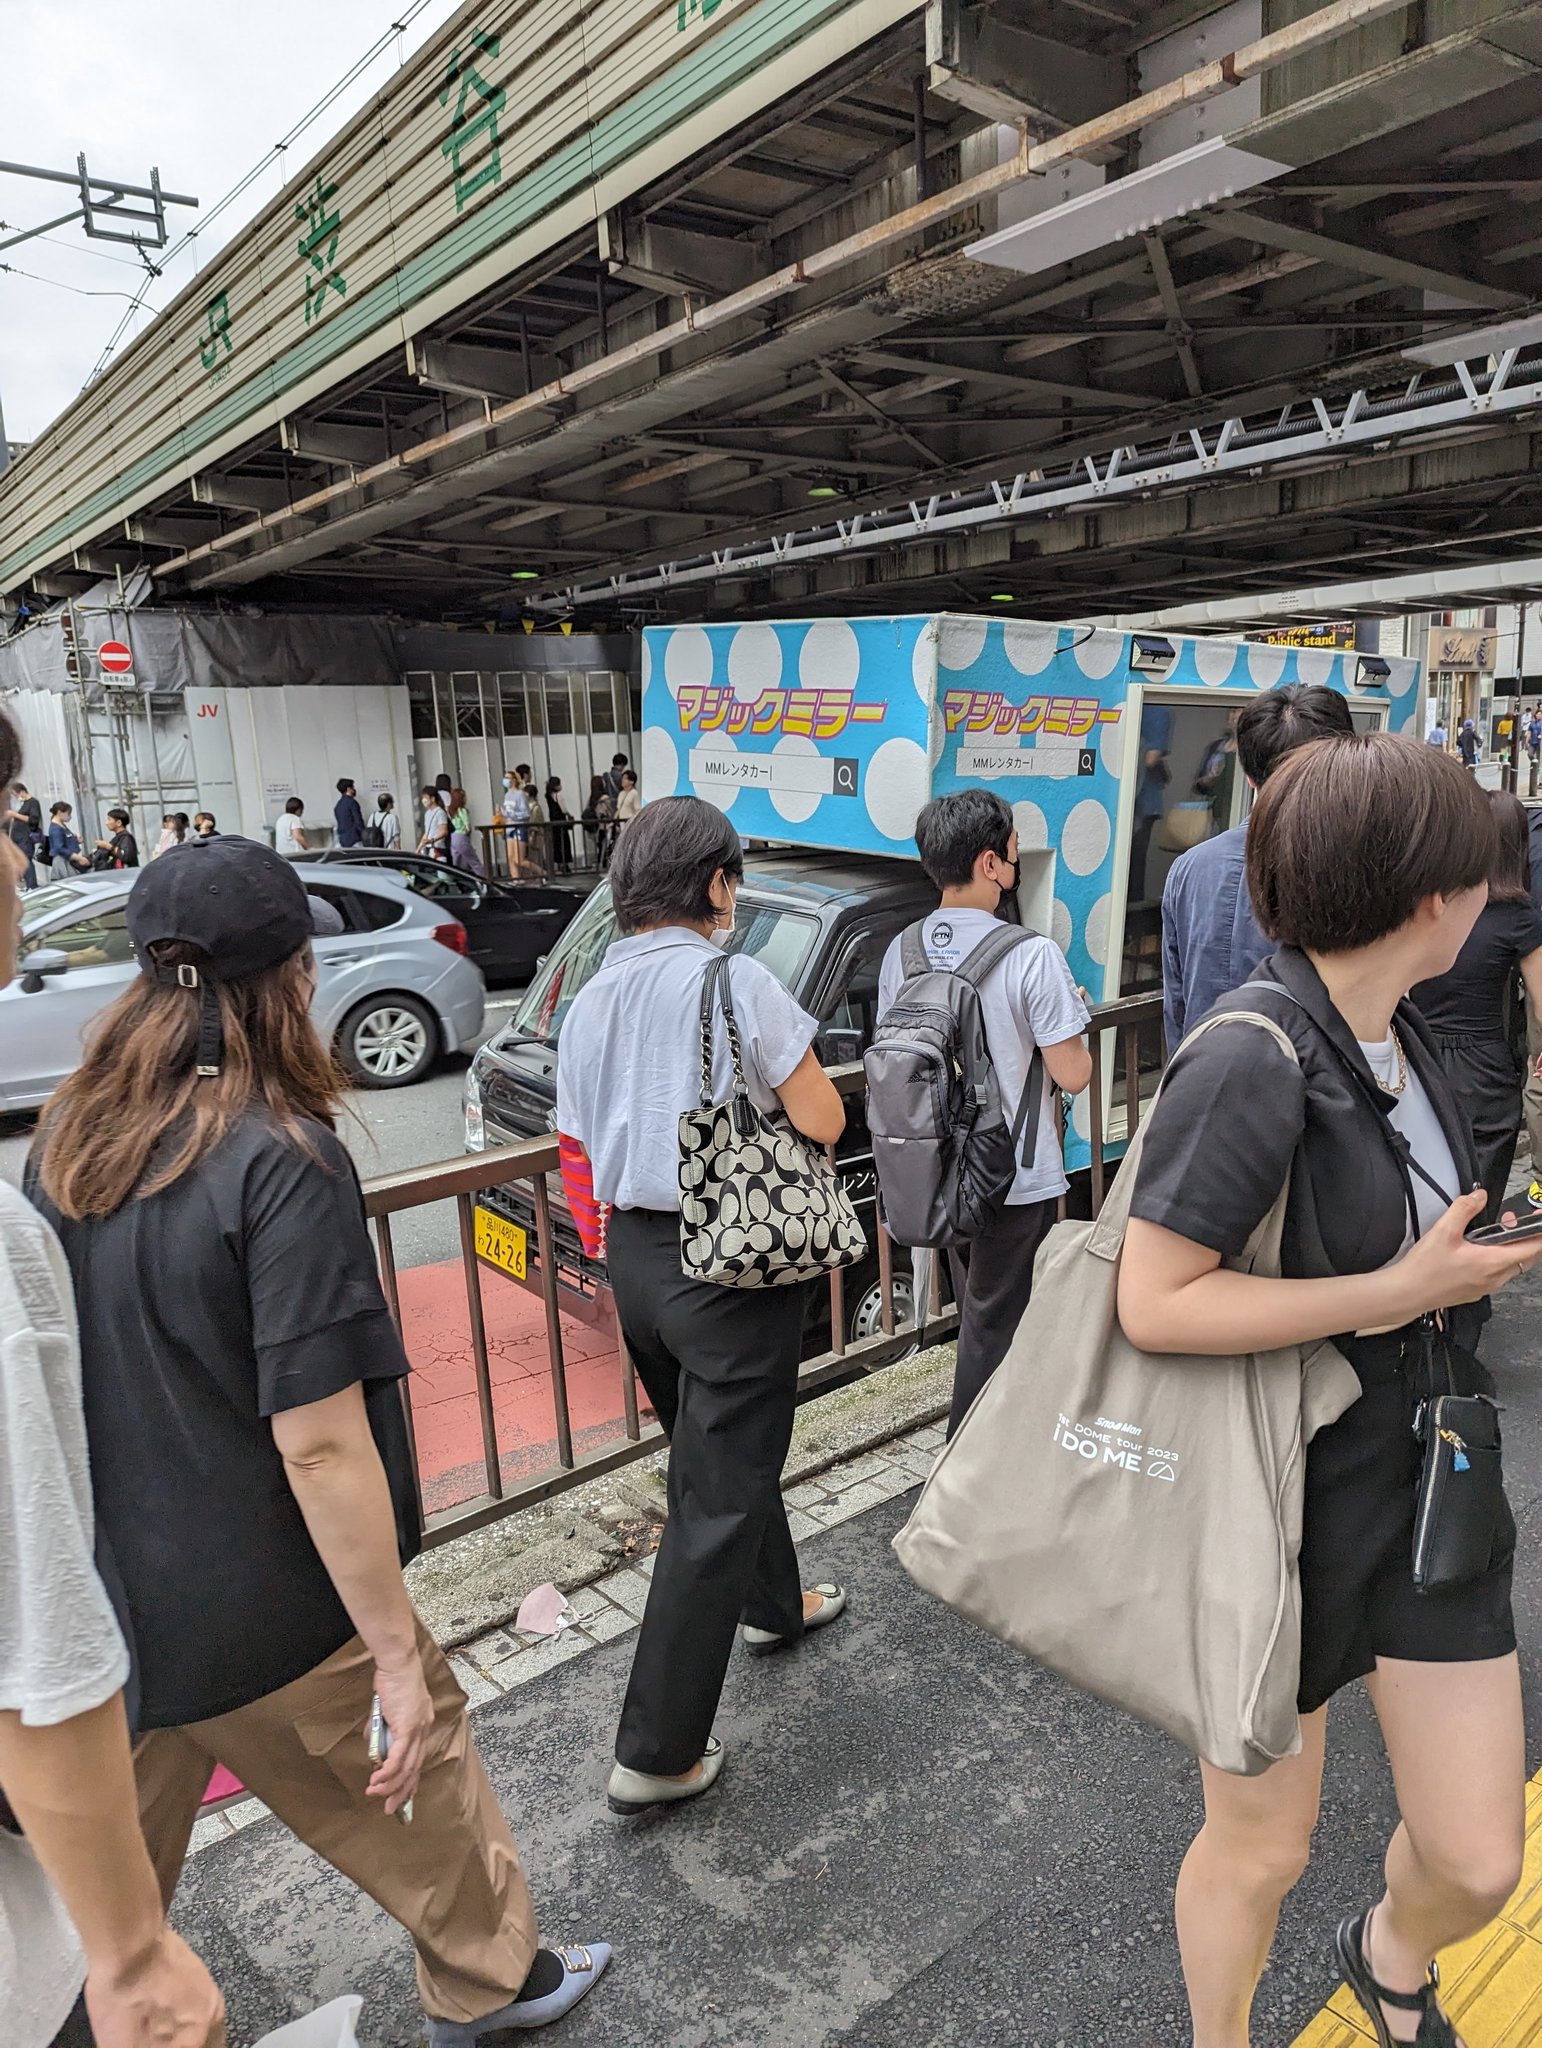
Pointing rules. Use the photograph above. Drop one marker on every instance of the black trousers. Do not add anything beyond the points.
(720, 1366)
(992, 1280)
(1488, 1082)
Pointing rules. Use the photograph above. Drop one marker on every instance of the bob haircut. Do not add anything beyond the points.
(662, 869)
(1350, 835)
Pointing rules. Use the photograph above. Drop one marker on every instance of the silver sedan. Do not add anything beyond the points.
(395, 988)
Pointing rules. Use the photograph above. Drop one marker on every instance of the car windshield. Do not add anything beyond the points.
(45, 903)
(779, 938)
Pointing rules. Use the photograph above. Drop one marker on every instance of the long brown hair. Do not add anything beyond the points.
(1509, 879)
(136, 1115)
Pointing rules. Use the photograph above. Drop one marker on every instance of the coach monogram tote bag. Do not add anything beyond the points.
(1132, 1520)
(759, 1205)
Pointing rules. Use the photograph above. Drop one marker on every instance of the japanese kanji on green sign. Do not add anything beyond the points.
(323, 223)
(216, 344)
(474, 124)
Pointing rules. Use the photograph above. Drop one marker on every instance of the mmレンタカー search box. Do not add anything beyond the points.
(782, 774)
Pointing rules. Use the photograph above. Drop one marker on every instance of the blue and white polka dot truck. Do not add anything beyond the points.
(1112, 748)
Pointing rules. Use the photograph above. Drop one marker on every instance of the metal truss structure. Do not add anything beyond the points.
(1313, 433)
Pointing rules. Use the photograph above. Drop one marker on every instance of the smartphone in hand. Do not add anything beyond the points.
(1525, 1230)
(380, 1749)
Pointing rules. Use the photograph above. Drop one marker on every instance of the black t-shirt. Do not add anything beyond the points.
(1469, 1001)
(125, 849)
(1235, 1115)
(245, 1288)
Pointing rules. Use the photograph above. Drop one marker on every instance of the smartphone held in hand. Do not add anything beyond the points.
(380, 1749)
(1525, 1230)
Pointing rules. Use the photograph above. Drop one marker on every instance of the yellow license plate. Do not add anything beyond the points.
(501, 1242)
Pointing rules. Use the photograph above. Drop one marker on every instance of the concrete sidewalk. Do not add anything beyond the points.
(921, 1839)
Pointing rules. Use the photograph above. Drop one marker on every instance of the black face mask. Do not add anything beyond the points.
(1010, 888)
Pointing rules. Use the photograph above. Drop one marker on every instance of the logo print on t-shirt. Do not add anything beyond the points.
(942, 935)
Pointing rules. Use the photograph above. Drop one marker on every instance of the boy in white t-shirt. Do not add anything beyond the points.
(968, 847)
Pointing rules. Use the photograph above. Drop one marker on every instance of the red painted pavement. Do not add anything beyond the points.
(436, 1325)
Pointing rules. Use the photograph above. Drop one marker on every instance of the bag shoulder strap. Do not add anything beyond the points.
(716, 987)
(1107, 1236)
(914, 958)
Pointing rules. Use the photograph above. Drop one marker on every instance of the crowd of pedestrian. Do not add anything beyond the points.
(1306, 1181)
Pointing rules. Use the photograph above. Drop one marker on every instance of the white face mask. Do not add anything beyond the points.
(722, 933)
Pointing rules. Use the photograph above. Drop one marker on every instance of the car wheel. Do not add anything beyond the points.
(389, 1042)
(864, 1312)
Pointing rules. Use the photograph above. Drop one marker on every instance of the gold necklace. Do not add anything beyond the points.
(1396, 1087)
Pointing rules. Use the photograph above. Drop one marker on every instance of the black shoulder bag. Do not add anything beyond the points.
(1461, 1486)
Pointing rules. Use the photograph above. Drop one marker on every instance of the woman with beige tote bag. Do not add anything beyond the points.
(1367, 862)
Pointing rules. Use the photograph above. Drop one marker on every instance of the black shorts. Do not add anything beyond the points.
(1358, 1598)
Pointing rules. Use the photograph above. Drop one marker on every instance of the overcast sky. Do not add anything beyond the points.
(200, 88)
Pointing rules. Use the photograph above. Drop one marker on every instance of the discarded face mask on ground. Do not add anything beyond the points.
(332, 2027)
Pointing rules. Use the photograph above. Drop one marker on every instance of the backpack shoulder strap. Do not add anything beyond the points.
(914, 958)
(991, 951)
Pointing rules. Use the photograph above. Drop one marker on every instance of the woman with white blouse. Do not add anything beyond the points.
(720, 1364)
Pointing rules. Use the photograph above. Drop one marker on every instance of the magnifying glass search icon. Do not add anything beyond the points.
(845, 778)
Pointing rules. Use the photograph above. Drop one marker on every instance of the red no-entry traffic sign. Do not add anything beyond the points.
(116, 657)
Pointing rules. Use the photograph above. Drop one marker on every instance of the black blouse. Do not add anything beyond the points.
(1234, 1116)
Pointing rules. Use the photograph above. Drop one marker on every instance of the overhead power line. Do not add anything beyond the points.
(382, 43)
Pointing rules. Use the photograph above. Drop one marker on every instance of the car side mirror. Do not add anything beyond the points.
(44, 960)
(840, 1048)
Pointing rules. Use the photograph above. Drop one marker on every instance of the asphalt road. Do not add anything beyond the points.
(387, 1130)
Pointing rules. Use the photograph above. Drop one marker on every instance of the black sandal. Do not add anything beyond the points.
(1435, 2028)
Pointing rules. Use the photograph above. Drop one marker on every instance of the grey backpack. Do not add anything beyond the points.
(943, 1148)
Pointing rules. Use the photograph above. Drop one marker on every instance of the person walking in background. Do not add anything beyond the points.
(24, 828)
(599, 820)
(720, 1364)
(463, 851)
(348, 816)
(204, 827)
(385, 827)
(629, 803)
(249, 1449)
(1028, 1001)
(515, 810)
(536, 852)
(561, 822)
(1466, 1007)
(1438, 736)
(1469, 746)
(65, 858)
(436, 827)
(1368, 862)
(173, 833)
(613, 776)
(1211, 939)
(289, 830)
(119, 849)
(78, 1896)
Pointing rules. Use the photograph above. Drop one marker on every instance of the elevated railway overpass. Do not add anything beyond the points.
(635, 310)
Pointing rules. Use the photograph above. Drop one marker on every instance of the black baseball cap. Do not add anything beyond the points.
(235, 899)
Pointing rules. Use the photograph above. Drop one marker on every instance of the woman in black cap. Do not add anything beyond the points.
(242, 1381)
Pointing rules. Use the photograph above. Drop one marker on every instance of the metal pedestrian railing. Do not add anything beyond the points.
(1132, 1060)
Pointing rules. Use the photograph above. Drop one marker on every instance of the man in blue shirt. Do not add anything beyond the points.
(1211, 941)
(350, 819)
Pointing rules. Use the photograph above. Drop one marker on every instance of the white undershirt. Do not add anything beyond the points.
(1414, 1115)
